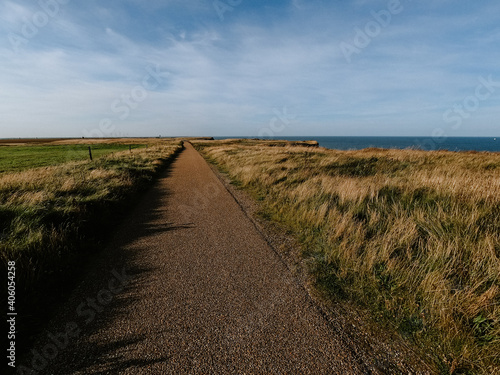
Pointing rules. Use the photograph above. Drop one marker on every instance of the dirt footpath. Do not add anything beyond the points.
(189, 286)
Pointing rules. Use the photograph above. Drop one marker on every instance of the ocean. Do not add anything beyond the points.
(425, 143)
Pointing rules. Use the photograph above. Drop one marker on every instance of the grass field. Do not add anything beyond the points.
(412, 236)
(18, 158)
(52, 218)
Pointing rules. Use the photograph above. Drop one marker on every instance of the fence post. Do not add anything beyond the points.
(90, 153)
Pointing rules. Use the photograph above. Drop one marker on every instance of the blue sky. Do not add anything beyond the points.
(253, 68)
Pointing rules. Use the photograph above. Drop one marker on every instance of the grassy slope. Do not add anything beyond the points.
(412, 235)
(52, 218)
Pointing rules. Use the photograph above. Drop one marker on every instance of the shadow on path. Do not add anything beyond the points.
(102, 299)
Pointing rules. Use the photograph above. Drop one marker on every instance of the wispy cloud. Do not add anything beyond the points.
(225, 78)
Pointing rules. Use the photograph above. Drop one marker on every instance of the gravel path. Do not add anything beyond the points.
(189, 286)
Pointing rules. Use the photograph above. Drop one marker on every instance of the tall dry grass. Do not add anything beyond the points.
(412, 235)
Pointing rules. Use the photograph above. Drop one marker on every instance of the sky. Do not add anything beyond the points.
(259, 68)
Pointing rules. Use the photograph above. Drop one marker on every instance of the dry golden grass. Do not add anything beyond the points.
(413, 235)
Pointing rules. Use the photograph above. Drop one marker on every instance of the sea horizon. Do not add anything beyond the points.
(479, 143)
(490, 144)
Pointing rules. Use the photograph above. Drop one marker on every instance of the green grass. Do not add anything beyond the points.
(19, 158)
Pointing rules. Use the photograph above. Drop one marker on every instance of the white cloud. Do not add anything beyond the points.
(13, 14)
(226, 78)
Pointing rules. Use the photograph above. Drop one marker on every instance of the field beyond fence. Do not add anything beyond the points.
(19, 158)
